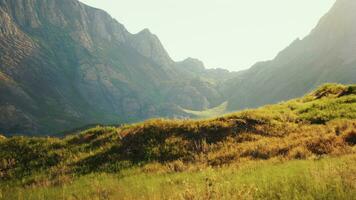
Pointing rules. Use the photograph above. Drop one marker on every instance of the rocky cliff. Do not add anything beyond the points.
(64, 64)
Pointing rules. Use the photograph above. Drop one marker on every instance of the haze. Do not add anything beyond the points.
(231, 34)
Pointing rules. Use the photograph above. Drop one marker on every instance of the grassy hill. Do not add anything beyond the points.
(303, 148)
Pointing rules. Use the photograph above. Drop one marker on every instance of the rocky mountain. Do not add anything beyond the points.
(64, 64)
(327, 54)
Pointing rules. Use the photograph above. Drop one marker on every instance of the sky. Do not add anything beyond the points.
(231, 34)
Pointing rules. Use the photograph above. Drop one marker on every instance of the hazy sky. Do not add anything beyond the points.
(232, 34)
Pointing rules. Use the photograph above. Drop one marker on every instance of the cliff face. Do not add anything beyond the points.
(64, 64)
(326, 55)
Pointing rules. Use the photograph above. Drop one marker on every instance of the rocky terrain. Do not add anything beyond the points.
(64, 65)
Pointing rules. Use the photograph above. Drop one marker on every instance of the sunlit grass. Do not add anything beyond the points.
(329, 178)
(245, 155)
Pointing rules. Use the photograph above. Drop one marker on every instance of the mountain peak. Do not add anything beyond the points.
(192, 65)
(194, 61)
(145, 31)
(336, 31)
(341, 16)
(151, 47)
(325, 55)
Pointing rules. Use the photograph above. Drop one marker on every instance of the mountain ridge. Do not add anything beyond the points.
(69, 65)
(325, 55)
(65, 65)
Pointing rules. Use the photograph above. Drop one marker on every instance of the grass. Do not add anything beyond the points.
(328, 178)
(300, 149)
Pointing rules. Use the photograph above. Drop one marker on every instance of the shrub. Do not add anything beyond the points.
(2, 137)
(350, 136)
(299, 153)
(330, 90)
(177, 166)
(322, 145)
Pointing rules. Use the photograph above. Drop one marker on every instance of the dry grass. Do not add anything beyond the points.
(320, 124)
(327, 178)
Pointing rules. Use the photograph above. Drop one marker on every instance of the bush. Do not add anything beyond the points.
(330, 90)
(299, 153)
(350, 136)
(2, 137)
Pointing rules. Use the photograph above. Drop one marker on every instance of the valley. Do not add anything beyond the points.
(89, 110)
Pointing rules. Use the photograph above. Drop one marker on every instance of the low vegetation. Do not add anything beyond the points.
(300, 148)
(329, 178)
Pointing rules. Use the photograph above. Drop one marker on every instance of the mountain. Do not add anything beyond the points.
(327, 54)
(64, 65)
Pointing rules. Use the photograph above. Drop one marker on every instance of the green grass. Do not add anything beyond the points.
(274, 152)
(209, 113)
(328, 178)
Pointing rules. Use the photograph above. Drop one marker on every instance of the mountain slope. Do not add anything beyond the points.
(64, 65)
(325, 55)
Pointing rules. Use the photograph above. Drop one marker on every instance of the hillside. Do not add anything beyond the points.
(64, 65)
(325, 55)
(322, 123)
(323, 178)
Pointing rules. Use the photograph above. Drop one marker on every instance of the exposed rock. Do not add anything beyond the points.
(65, 65)
(149, 46)
(16, 120)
